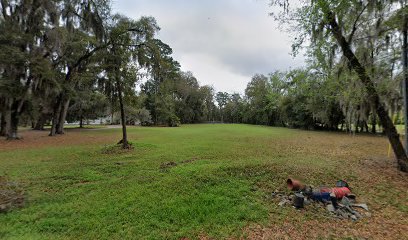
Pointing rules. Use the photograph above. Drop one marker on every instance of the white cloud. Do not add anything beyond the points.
(223, 42)
(214, 74)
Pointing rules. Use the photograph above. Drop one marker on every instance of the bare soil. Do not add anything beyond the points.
(377, 176)
(31, 139)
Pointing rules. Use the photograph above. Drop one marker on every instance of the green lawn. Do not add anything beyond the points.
(219, 186)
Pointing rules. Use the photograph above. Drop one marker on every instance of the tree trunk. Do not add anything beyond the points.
(12, 135)
(14, 120)
(63, 116)
(124, 141)
(366, 127)
(3, 124)
(7, 120)
(356, 126)
(405, 81)
(373, 96)
(374, 122)
(55, 116)
(81, 122)
(41, 122)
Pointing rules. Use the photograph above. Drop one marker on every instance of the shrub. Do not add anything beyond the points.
(173, 121)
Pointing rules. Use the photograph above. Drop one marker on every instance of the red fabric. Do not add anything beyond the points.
(325, 189)
(341, 192)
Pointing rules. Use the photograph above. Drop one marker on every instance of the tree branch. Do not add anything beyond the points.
(4, 4)
(355, 23)
(89, 54)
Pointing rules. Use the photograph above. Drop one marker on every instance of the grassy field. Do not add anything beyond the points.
(196, 182)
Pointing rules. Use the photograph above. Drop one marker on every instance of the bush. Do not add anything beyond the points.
(173, 121)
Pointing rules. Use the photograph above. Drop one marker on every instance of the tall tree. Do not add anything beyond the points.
(24, 60)
(160, 89)
(126, 52)
(222, 100)
(316, 19)
(83, 23)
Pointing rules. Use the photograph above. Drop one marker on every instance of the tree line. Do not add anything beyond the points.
(71, 60)
(303, 98)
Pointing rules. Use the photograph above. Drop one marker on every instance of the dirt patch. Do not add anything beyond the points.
(375, 228)
(375, 179)
(117, 149)
(168, 165)
(191, 160)
(11, 195)
(39, 139)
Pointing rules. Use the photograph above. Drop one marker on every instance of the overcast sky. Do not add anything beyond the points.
(223, 42)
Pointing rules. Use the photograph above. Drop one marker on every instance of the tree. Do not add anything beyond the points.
(87, 106)
(83, 26)
(127, 40)
(23, 59)
(256, 93)
(222, 99)
(325, 18)
(234, 109)
(160, 89)
(189, 99)
(209, 107)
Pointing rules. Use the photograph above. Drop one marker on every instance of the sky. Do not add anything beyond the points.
(223, 42)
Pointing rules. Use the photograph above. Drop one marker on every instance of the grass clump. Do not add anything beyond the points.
(117, 148)
(11, 195)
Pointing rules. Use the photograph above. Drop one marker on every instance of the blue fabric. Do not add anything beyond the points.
(321, 196)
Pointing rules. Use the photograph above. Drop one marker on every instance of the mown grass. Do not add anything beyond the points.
(218, 183)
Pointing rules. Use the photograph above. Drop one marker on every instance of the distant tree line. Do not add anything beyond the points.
(307, 99)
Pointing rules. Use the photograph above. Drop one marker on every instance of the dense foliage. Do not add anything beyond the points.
(75, 60)
(297, 99)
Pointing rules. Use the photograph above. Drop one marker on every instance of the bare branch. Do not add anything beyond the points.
(355, 24)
